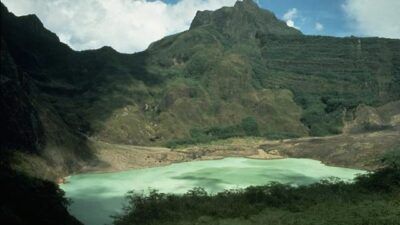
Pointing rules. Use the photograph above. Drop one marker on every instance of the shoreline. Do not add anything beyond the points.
(99, 170)
(242, 154)
(356, 151)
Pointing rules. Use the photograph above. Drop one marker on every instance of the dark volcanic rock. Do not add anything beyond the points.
(21, 127)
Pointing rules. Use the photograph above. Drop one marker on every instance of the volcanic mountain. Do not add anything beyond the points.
(238, 71)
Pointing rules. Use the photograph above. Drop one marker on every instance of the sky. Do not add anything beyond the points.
(131, 25)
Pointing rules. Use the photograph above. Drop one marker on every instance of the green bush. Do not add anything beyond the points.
(392, 158)
(250, 126)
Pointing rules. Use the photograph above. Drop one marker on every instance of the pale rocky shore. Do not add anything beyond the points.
(123, 157)
(360, 151)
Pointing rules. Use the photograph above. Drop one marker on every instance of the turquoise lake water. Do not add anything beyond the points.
(98, 196)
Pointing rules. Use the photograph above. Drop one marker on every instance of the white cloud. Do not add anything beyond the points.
(290, 23)
(319, 26)
(289, 17)
(374, 18)
(126, 25)
(290, 14)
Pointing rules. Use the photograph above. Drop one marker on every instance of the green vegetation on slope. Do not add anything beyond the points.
(248, 127)
(371, 200)
(329, 75)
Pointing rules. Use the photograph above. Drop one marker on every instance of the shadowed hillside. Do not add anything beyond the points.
(25, 200)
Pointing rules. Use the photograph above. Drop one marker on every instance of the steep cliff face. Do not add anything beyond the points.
(21, 127)
(30, 122)
(236, 67)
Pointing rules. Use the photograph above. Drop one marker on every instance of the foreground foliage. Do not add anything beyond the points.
(27, 200)
(373, 198)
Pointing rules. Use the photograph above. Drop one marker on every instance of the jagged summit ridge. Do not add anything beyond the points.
(246, 3)
(242, 20)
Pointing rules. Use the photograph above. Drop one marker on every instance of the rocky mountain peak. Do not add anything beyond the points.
(242, 20)
(246, 3)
